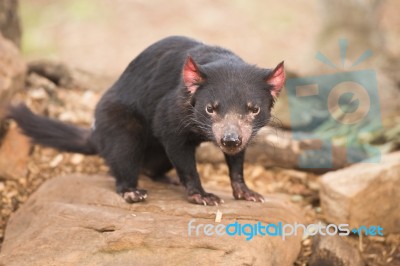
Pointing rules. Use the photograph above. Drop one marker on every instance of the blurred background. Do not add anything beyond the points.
(105, 35)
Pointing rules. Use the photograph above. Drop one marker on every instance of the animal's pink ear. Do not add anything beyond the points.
(276, 78)
(192, 77)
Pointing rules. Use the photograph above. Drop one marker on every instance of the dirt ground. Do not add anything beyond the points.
(102, 36)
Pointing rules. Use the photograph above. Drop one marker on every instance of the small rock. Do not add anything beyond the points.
(77, 158)
(33, 168)
(67, 116)
(334, 251)
(313, 185)
(56, 161)
(364, 194)
(89, 98)
(38, 94)
(296, 198)
(306, 241)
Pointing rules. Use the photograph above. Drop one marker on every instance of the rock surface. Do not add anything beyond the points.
(80, 220)
(12, 73)
(364, 194)
(14, 154)
(334, 251)
(12, 67)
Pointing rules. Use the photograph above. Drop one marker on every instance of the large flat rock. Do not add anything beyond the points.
(80, 220)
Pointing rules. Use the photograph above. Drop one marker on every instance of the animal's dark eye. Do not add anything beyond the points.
(209, 109)
(255, 110)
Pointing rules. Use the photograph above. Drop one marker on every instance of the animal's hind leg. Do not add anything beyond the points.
(123, 153)
(124, 160)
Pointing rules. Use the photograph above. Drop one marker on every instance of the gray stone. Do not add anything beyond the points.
(364, 194)
(334, 251)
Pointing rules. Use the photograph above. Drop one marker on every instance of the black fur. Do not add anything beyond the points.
(53, 133)
(148, 120)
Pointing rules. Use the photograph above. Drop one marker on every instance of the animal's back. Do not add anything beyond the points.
(153, 74)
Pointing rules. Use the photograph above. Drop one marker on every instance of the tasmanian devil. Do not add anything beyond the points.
(176, 94)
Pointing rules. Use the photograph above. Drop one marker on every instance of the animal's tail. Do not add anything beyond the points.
(52, 133)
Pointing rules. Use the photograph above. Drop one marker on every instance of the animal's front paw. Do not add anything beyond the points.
(242, 192)
(205, 199)
(134, 195)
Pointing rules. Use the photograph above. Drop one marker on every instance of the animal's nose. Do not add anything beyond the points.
(231, 140)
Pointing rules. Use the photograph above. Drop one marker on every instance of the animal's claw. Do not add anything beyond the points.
(242, 192)
(206, 199)
(135, 195)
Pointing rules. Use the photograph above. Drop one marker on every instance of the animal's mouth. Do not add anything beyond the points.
(231, 150)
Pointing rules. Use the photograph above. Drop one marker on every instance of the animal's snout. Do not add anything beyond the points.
(231, 140)
(231, 135)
